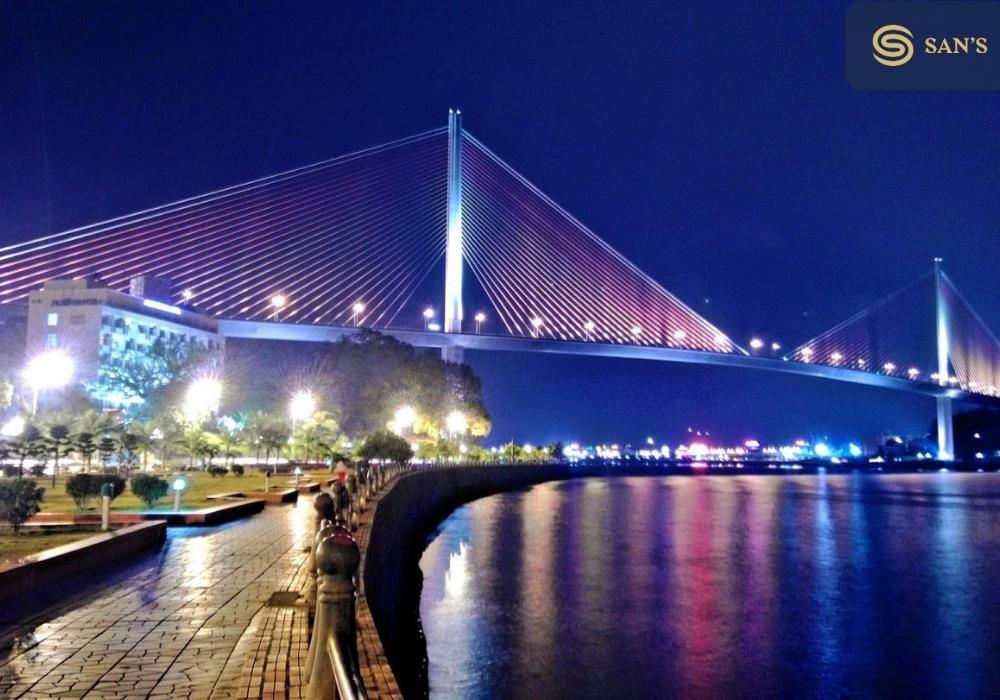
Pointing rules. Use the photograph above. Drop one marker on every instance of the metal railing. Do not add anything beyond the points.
(333, 669)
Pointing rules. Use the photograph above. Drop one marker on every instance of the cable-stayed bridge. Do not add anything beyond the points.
(312, 253)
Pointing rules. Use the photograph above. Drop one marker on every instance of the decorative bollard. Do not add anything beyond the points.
(332, 665)
(323, 504)
(106, 492)
(326, 528)
(340, 499)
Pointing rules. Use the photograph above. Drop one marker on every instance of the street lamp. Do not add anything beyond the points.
(680, 334)
(51, 369)
(405, 418)
(428, 315)
(278, 301)
(536, 323)
(479, 317)
(756, 343)
(178, 486)
(301, 407)
(202, 398)
(358, 309)
(588, 328)
(456, 423)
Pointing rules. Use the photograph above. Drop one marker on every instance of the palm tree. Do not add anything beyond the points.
(143, 436)
(59, 444)
(192, 440)
(25, 445)
(84, 445)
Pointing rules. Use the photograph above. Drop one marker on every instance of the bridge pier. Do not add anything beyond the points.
(453, 353)
(945, 428)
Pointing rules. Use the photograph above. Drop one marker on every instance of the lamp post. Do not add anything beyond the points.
(49, 370)
(357, 309)
(456, 423)
(301, 407)
(536, 323)
(479, 317)
(588, 329)
(404, 418)
(428, 315)
(278, 301)
(202, 398)
(178, 485)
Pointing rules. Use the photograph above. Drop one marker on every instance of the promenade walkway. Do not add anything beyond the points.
(198, 620)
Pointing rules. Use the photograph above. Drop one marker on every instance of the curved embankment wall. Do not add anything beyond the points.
(407, 514)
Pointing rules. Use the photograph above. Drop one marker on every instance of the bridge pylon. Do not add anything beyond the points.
(945, 417)
(454, 256)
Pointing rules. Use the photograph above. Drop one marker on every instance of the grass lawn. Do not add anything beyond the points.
(200, 485)
(31, 541)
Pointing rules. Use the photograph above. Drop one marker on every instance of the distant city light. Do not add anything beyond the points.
(821, 449)
(855, 450)
(160, 306)
(756, 343)
(752, 444)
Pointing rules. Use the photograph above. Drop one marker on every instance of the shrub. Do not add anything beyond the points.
(386, 445)
(218, 471)
(78, 487)
(237, 469)
(37, 469)
(9, 470)
(19, 500)
(84, 487)
(149, 489)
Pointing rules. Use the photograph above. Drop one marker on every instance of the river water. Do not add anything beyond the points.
(757, 586)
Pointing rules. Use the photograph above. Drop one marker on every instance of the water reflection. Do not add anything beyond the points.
(797, 586)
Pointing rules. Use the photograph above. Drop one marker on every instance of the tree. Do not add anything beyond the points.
(385, 445)
(153, 381)
(144, 435)
(24, 446)
(59, 445)
(84, 445)
(192, 441)
(318, 429)
(128, 452)
(107, 446)
(19, 500)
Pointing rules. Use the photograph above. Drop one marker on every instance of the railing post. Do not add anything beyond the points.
(333, 668)
(340, 500)
(325, 528)
(323, 505)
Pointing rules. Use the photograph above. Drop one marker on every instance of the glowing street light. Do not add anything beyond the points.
(913, 373)
(836, 357)
(13, 427)
(680, 335)
(456, 423)
(202, 398)
(775, 347)
(536, 323)
(278, 301)
(807, 354)
(301, 407)
(404, 419)
(756, 343)
(187, 294)
(178, 485)
(51, 369)
(889, 367)
(358, 309)
(479, 318)
(861, 362)
(588, 329)
(636, 331)
(428, 315)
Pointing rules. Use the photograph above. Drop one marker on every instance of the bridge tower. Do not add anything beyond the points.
(945, 426)
(453, 259)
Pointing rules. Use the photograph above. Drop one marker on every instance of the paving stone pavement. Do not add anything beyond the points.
(178, 623)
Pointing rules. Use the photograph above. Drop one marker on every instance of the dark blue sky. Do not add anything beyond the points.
(716, 144)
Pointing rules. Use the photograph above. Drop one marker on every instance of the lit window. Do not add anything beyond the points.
(51, 340)
(52, 319)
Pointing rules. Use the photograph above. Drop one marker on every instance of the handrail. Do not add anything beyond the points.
(342, 649)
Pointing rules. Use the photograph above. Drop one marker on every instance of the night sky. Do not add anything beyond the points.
(719, 146)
